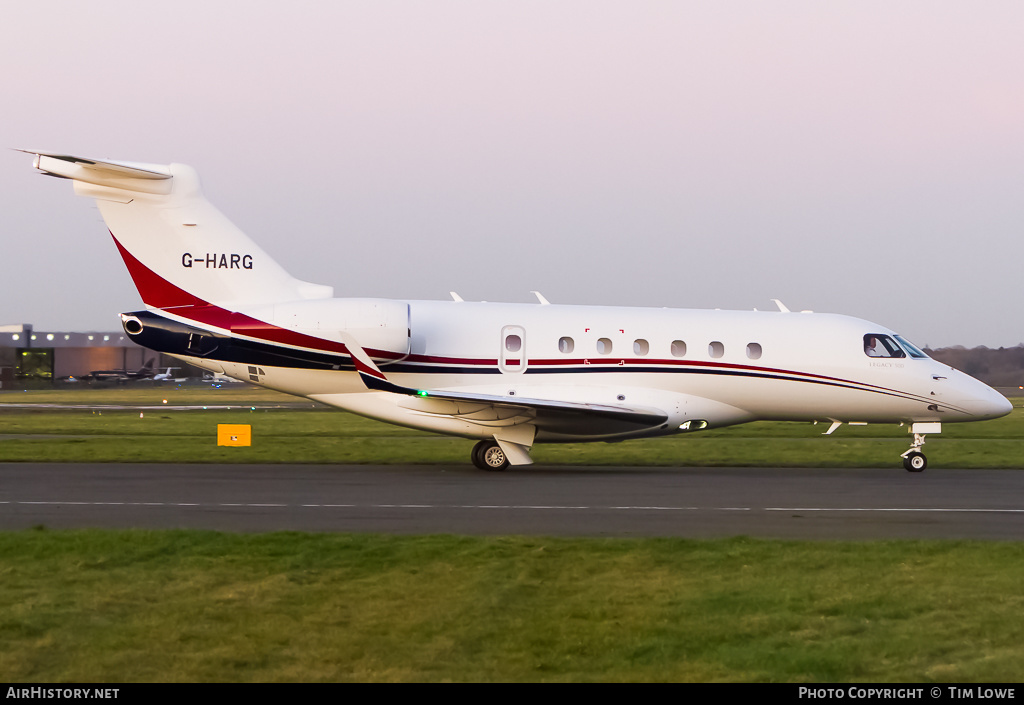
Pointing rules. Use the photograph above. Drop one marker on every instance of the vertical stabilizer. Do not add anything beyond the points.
(179, 249)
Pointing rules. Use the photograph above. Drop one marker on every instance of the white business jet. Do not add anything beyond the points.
(510, 375)
(168, 377)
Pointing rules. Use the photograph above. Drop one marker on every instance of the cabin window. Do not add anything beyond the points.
(513, 343)
(754, 351)
(641, 347)
(716, 349)
(678, 348)
(565, 345)
(878, 345)
(604, 346)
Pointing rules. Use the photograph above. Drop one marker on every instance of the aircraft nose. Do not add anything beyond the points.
(986, 403)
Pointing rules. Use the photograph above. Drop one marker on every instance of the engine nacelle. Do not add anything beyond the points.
(377, 324)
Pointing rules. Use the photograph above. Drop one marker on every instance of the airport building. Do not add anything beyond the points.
(30, 358)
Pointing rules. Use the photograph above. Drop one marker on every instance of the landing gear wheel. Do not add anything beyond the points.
(488, 455)
(494, 458)
(915, 462)
(477, 456)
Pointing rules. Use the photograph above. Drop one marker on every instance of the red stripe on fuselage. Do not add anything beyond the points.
(160, 293)
(157, 292)
(605, 362)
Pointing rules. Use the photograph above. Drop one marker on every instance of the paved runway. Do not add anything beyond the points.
(562, 501)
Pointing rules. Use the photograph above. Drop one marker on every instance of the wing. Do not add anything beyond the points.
(551, 416)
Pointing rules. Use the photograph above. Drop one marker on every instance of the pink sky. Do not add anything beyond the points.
(856, 157)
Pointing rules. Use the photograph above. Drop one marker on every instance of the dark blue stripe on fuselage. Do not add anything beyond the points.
(174, 338)
(164, 335)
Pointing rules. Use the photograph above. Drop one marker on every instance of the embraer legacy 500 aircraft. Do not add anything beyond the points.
(510, 375)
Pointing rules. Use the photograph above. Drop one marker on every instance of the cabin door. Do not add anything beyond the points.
(512, 357)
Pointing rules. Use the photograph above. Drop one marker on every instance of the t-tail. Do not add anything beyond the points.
(180, 250)
(214, 296)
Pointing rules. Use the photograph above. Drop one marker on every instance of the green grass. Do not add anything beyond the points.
(116, 606)
(151, 394)
(319, 435)
(189, 606)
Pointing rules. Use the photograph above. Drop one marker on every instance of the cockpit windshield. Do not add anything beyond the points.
(912, 349)
(879, 345)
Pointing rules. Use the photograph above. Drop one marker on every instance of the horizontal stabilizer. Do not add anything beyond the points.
(130, 176)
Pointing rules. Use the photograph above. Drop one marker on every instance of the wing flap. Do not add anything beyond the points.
(549, 407)
(549, 415)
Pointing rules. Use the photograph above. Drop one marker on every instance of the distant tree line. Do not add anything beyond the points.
(997, 367)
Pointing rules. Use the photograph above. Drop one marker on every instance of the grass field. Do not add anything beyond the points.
(191, 606)
(314, 434)
(200, 606)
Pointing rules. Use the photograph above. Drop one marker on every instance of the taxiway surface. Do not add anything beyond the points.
(561, 501)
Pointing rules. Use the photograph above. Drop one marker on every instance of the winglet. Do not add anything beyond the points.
(369, 373)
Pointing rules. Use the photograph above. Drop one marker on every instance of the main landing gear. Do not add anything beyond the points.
(488, 455)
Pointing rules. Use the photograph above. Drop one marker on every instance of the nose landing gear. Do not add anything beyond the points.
(913, 459)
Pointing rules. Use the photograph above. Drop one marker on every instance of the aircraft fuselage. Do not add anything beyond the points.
(722, 367)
